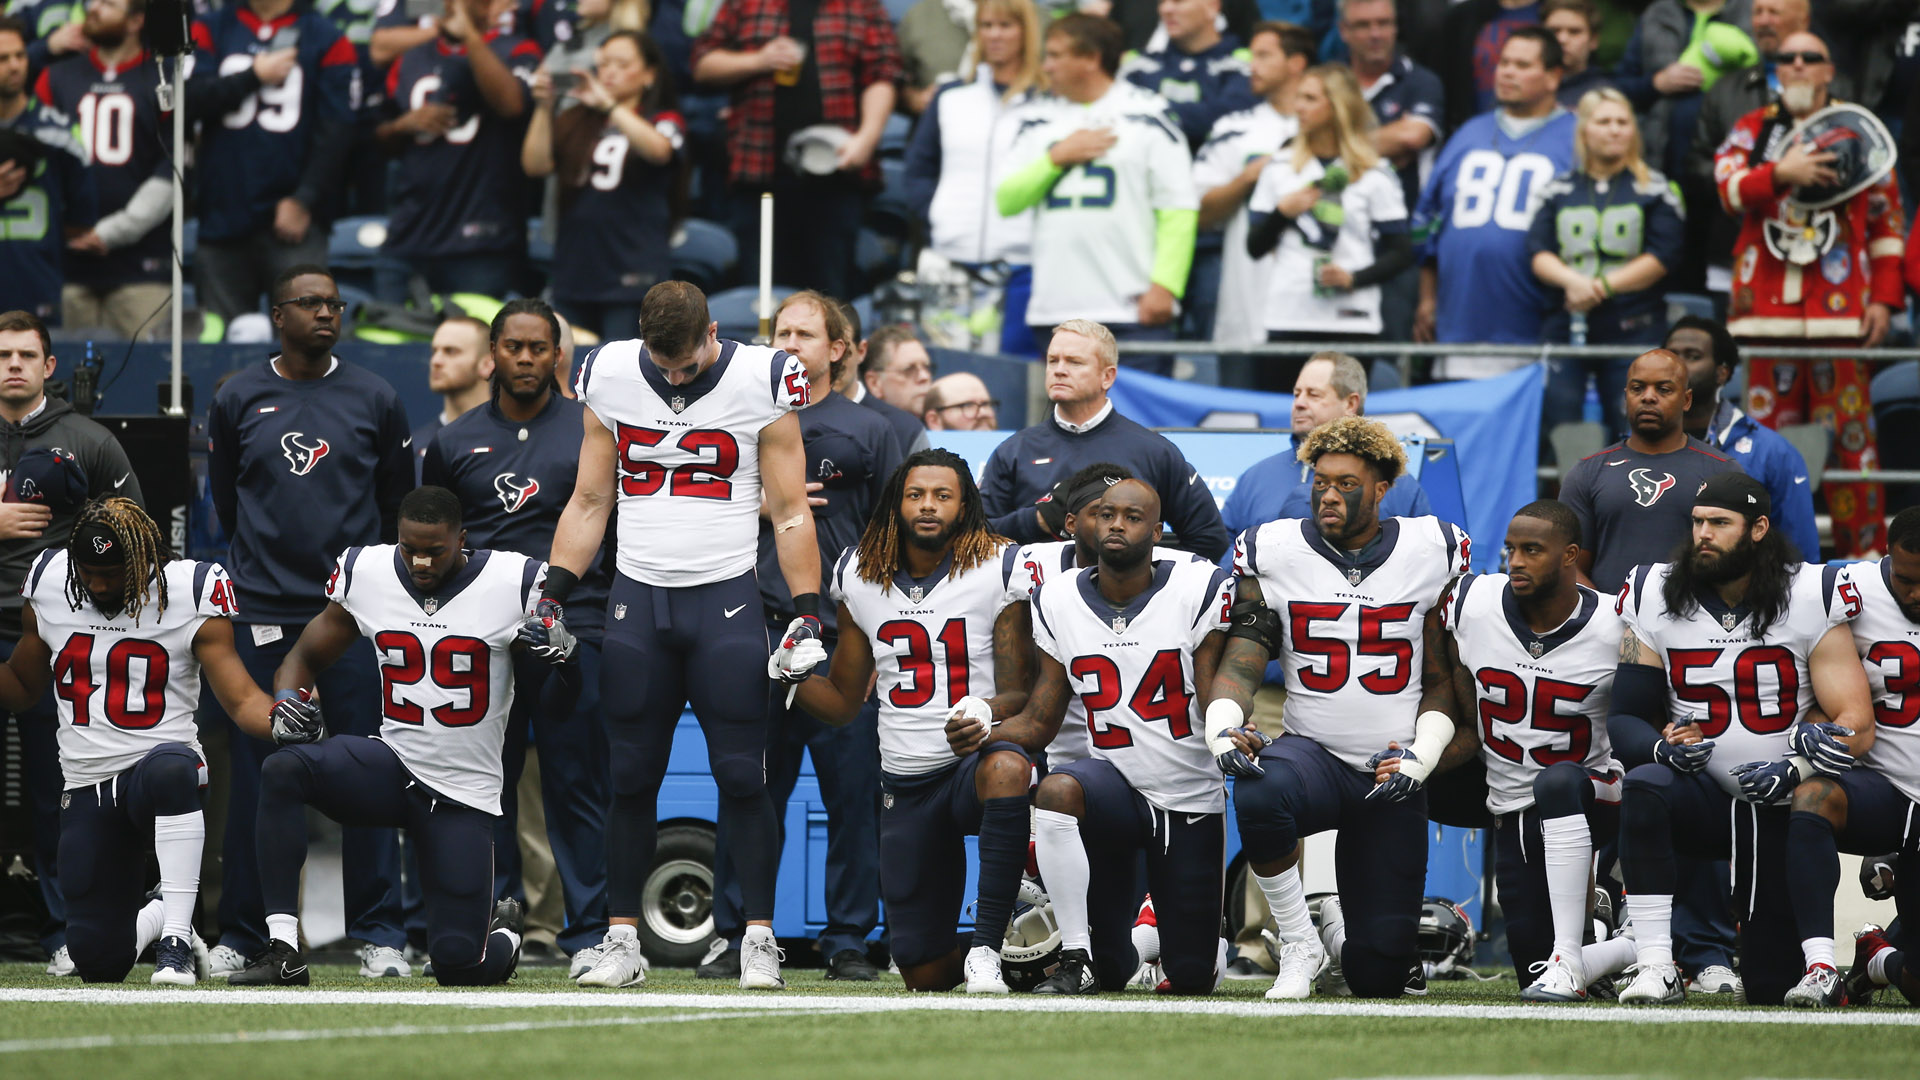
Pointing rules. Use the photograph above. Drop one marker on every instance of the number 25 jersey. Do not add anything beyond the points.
(1352, 632)
(687, 457)
(446, 675)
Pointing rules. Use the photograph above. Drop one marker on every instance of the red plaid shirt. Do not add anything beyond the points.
(854, 47)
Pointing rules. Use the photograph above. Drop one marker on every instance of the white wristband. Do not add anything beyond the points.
(1222, 716)
(1431, 734)
(1802, 768)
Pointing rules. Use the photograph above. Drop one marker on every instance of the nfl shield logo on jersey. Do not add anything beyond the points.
(678, 404)
(1535, 648)
(1728, 620)
(1354, 576)
(619, 611)
(432, 605)
(1119, 624)
(886, 800)
(916, 594)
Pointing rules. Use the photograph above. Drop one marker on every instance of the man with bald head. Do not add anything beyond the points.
(959, 402)
(1634, 499)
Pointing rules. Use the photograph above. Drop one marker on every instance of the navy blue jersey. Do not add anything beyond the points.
(1407, 89)
(1200, 88)
(120, 124)
(423, 437)
(615, 238)
(546, 21)
(513, 490)
(1636, 508)
(462, 193)
(301, 470)
(260, 144)
(356, 21)
(1596, 226)
(59, 195)
(42, 18)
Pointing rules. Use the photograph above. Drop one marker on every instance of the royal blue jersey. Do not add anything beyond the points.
(1597, 226)
(1473, 219)
(301, 470)
(59, 195)
(119, 122)
(462, 193)
(615, 239)
(260, 144)
(512, 490)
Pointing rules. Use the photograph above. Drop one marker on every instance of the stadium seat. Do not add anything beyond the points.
(1575, 440)
(539, 248)
(876, 256)
(704, 253)
(1679, 303)
(1815, 443)
(737, 310)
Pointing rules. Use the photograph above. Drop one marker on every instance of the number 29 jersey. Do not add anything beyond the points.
(1744, 693)
(1540, 699)
(446, 673)
(1889, 646)
(1352, 632)
(123, 687)
(1132, 670)
(687, 458)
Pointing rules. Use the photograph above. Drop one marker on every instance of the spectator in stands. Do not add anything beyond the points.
(563, 366)
(119, 272)
(588, 25)
(1777, 300)
(459, 107)
(960, 402)
(1114, 233)
(1604, 238)
(53, 29)
(1474, 38)
(1328, 210)
(622, 182)
(273, 144)
(1476, 283)
(934, 35)
(1084, 428)
(1869, 39)
(460, 370)
(963, 138)
(1201, 72)
(1142, 30)
(1712, 360)
(1576, 25)
(895, 375)
(365, 174)
(839, 69)
(42, 202)
(1224, 173)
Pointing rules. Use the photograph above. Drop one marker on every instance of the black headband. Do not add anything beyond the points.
(1092, 489)
(96, 544)
(1738, 492)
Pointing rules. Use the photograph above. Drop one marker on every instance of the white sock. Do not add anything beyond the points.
(1569, 857)
(1606, 957)
(1220, 962)
(1652, 927)
(177, 843)
(755, 932)
(1877, 967)
(147, 925)
(1287, 903)
(513, 939)
(284, 928)
(1146, 942)
(623, 932)
(1063, 866)
(1818, 950)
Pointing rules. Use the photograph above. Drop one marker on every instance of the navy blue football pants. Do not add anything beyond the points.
(40, 748)
(106, 833)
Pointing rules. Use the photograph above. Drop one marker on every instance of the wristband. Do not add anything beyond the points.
(560, 583)
(807, 605)
(1606, 287)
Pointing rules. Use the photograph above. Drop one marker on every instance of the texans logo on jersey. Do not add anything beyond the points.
(1647, 488)
(515, 492)
(302, 453)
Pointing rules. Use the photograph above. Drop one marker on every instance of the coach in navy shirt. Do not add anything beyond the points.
(512, 461)
(307, 456)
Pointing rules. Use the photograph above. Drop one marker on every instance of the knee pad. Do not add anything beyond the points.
(454, 953)
(1264, 807)
(284, 775)
(1559, 790)
(1643, 802)
(740, 776)
(173, 782)
(629, 768)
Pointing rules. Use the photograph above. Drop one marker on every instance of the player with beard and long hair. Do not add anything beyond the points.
(924, 603)
(1726, 651)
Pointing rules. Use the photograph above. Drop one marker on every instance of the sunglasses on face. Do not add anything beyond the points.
(1808, 58)
(315, 303)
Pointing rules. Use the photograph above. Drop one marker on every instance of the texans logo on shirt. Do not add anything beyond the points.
(1647, 488)
(513, 491)
(303, 453)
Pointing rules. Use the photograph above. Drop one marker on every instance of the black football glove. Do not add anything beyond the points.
(545, 633)
(296, 718)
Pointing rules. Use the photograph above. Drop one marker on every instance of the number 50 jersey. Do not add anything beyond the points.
(1352, 632)
(446, 675)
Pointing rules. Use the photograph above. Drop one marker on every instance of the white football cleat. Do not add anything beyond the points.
(582, 962)
(1820, 988)
(760, 957)
(224, 961)
(982, 971)
(1718, 979)
(60, 964)
(1333, 923)
(381, 962)
(620, 964)
(1559, 979)
(1301, 962)
(1654, 984)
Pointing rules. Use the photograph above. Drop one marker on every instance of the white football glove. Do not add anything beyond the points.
(799, 652)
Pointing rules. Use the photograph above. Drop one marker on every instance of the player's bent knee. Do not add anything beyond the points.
(174, 781)
(284, 775)
(1559, 790)
(1008, 771)
(1374, 974)
(739, 777)
(1060, 793)
(1821, 795)
(100, 961)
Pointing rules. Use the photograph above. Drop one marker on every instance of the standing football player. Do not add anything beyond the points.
(1346, 602)
(1725, 651)
(689, 433)
(444, 622)
(925, 604)
(106, 605)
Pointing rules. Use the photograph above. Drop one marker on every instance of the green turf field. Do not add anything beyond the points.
(542, 1026)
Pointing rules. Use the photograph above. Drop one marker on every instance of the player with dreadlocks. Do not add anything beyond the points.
(102, 617)
(924, 601)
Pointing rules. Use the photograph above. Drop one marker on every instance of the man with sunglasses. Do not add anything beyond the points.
(307, 456)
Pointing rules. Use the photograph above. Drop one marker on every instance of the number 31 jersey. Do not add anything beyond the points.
(1352, 632)
(1541, 699)
(687, 458)
(932, 644)
(1744, 693)
(1132, 670)
(1889, 645)
(123, 687)
(446, 675)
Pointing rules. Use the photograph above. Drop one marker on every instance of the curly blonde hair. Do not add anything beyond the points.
(1368, 440)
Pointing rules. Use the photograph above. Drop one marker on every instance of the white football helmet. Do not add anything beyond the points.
(1031, 951)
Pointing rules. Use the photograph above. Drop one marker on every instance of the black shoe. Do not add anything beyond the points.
(1074, 977)
(279, 964)
(510, 915)
(721, 963)
(849, 964)
(1417, 980)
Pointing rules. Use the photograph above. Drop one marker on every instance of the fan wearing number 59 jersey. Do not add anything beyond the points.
(126, 634)
(443, 621)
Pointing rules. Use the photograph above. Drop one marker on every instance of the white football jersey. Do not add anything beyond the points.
(1540, 699)
(932, 644)
(1889, 647)
(1745, 694)
(1238, 138)
(446, 675)
(122, 688)
(687, 458)
(1132, 672)
(1352, 634)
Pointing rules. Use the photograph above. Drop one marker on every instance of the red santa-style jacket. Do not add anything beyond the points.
(1801, 273)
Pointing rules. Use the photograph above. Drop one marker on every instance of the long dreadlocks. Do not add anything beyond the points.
(105, 523)
(974, 541)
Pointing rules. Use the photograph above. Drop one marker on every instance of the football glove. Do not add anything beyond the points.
(1820, 744)
(1876, 875)
(545, 633)
(1686, 759)
(296, 718)
(1403, 784)
(800, 649)
(1767, 782)
(1224, 719)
